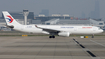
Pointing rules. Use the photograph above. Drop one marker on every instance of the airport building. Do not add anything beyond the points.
(75, 22)
(44, 18)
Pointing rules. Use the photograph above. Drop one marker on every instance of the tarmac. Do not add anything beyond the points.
(42, 47)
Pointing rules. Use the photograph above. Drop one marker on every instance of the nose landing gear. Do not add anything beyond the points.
(93, 36)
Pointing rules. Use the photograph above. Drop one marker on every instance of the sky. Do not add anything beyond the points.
(71, 7)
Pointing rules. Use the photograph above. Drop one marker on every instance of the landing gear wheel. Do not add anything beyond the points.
(51, 36)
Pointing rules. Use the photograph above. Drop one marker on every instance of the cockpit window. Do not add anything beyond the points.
(99, 28)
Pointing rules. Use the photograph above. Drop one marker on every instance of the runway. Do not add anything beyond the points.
(42, 47)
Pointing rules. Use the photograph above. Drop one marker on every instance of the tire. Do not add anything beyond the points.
(50, 37)
(53, 36)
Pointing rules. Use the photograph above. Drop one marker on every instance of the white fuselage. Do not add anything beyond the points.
(66, 28)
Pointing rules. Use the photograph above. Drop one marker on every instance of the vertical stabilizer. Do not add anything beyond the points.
(10, 21)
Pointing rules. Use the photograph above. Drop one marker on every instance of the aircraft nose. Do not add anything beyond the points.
(102, 31)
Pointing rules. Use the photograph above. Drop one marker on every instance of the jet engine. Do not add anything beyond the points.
(64, 34)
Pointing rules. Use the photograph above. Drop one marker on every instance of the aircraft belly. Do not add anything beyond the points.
(35, 30)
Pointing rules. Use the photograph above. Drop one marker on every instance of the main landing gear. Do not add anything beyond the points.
(93, 36)
(51, 36)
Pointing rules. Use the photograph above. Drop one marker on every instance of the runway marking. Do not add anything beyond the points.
(87, 50)
(97, 43)
(91, 53)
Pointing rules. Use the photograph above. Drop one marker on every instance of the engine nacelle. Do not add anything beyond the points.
(64, 34)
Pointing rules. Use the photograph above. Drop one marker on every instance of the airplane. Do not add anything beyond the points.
(52, 30)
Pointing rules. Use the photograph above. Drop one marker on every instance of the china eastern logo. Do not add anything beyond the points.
(10, 19)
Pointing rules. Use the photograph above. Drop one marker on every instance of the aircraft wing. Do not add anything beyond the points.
(55, 32)
(49, 30)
